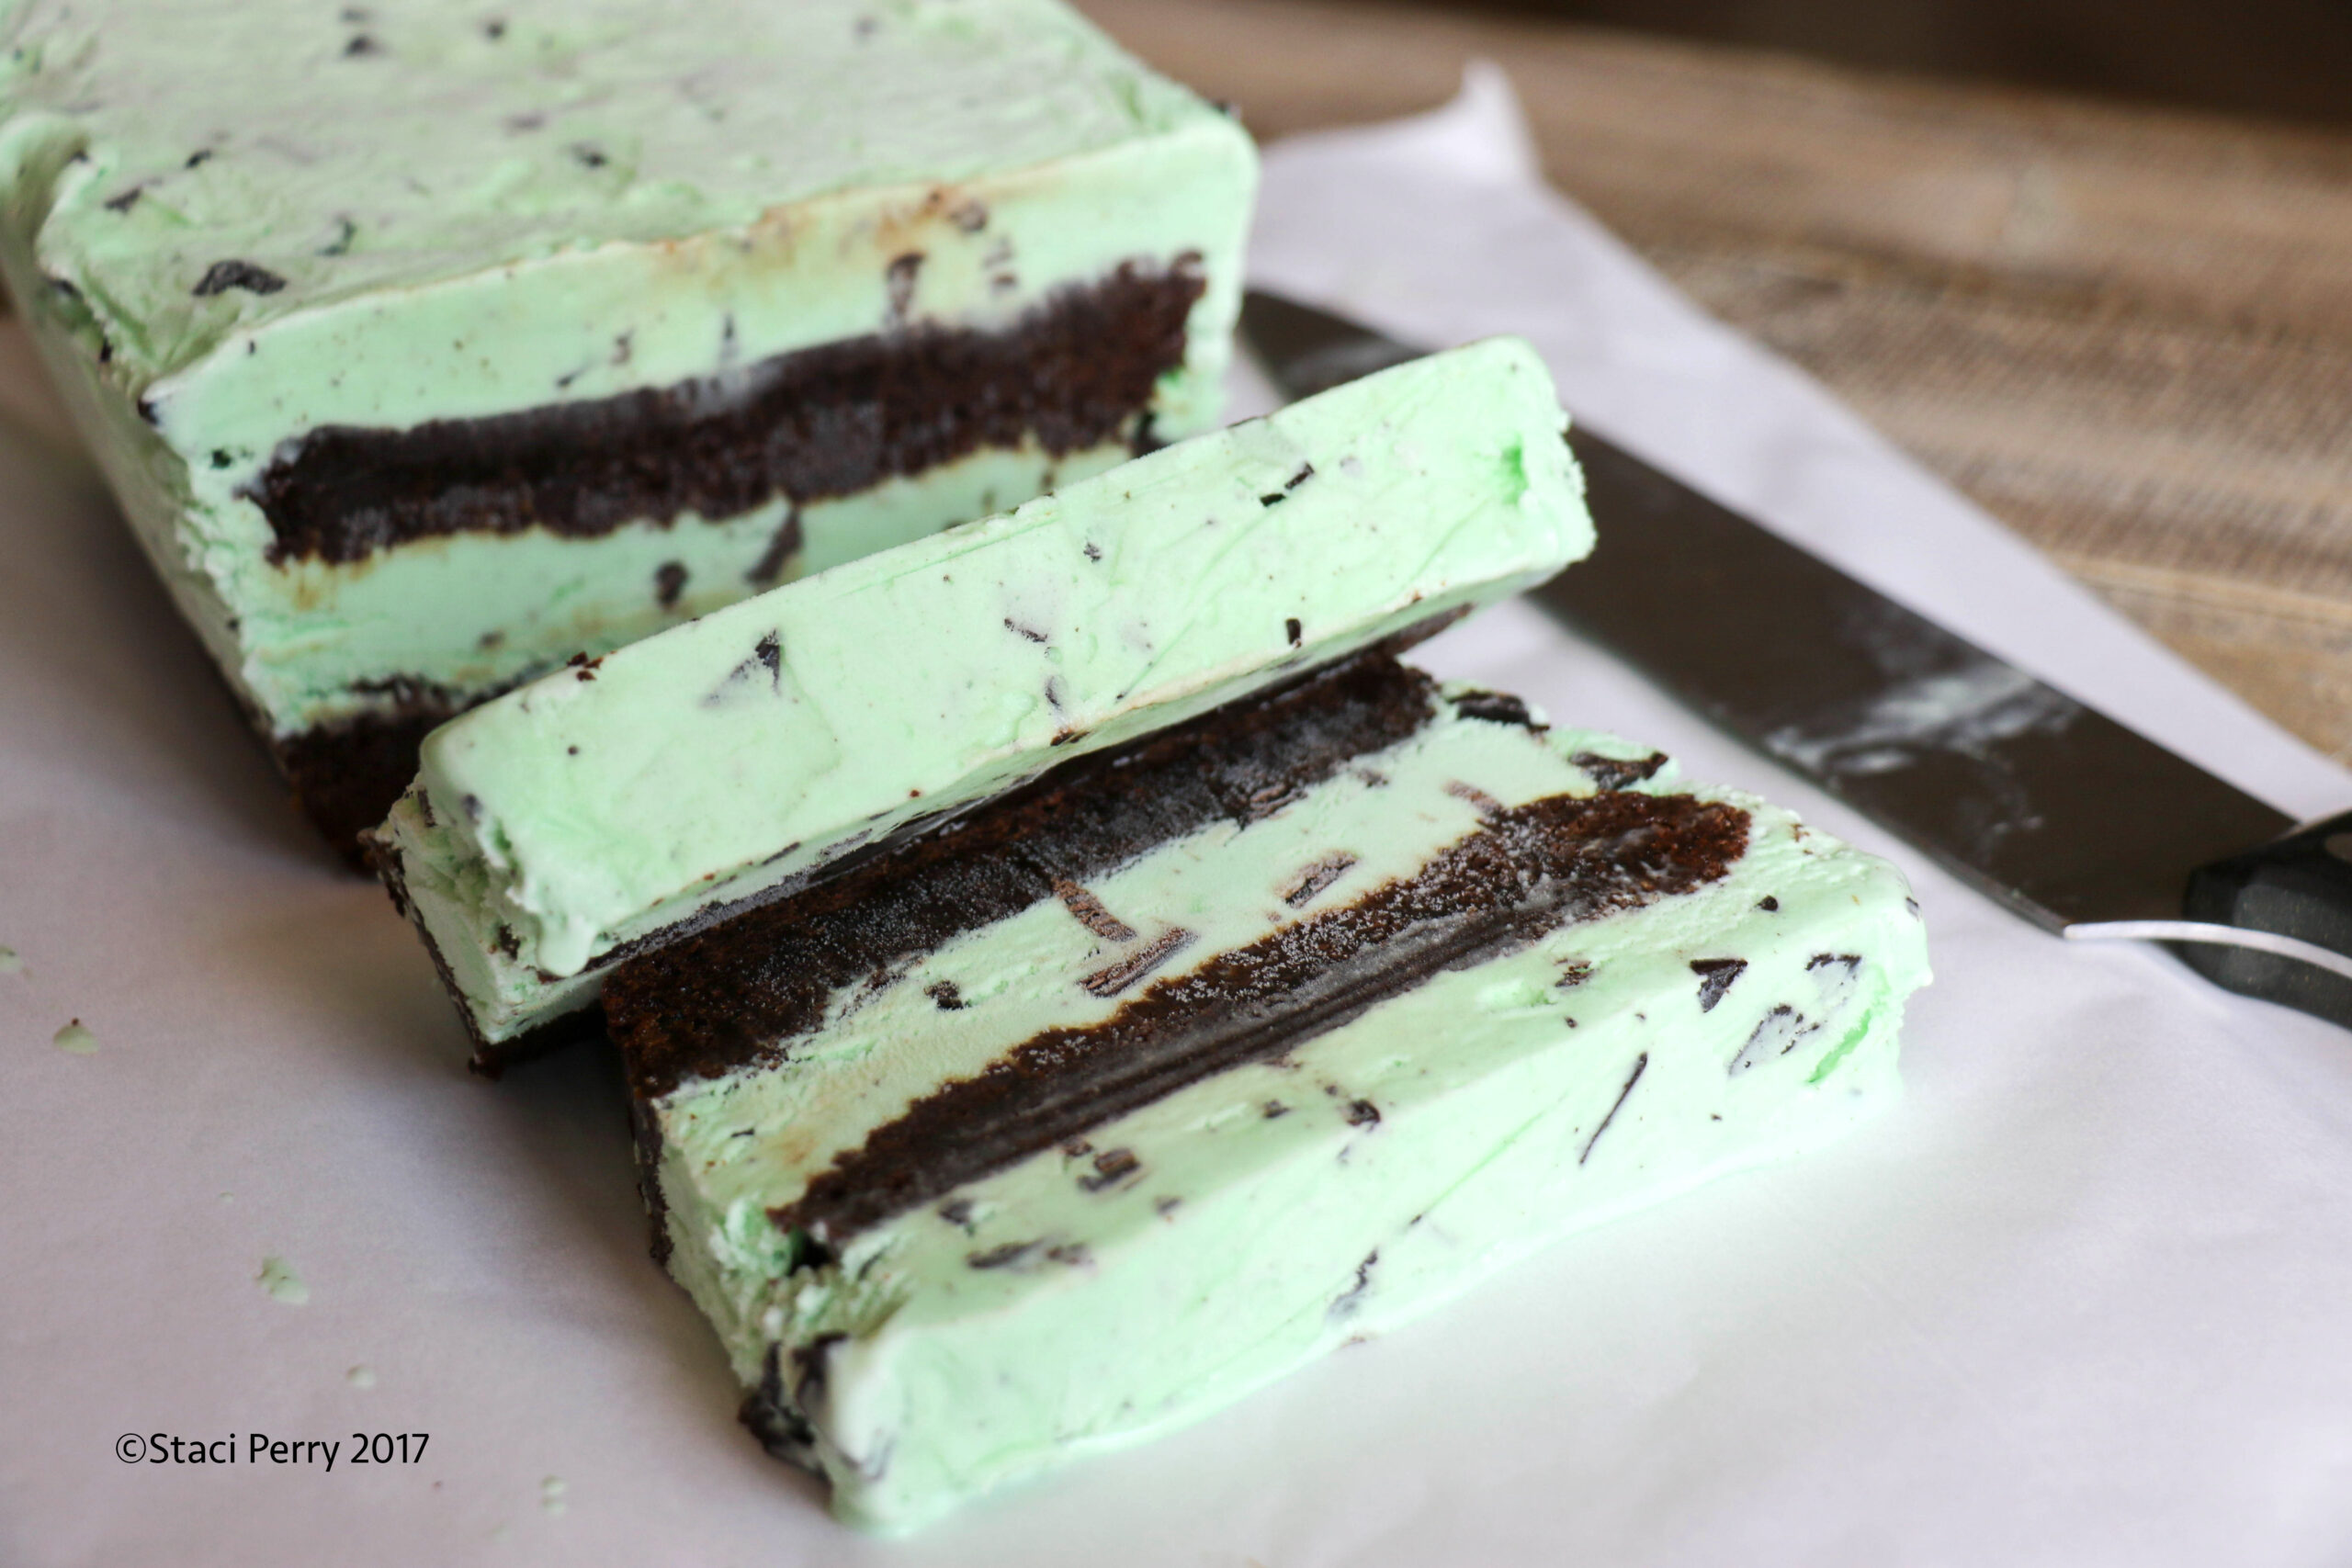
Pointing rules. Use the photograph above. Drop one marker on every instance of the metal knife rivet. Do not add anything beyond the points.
(2339, 845)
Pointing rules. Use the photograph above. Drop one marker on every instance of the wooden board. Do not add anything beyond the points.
(2127, 333)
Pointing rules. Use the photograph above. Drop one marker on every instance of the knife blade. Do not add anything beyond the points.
(2066, 816)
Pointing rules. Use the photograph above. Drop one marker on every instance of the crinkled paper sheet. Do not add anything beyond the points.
(2080, 1298)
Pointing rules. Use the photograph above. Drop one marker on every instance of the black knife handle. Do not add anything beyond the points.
(2298, 886)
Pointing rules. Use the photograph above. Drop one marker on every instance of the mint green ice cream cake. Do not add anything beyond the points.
(427, 345)
(1067, 972)
(606, 810)
(1122, 980)
(1197, 1059)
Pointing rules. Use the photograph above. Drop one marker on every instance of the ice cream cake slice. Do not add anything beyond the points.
(428, 345)
(1083, 1117)
(616, 806)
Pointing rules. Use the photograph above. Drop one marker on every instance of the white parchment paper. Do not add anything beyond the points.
(2080, 1299)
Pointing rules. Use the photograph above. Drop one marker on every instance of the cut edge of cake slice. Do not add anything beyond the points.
(1092, 1115)
(618, 804)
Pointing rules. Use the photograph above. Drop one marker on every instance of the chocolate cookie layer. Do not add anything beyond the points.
(1072, 373)
(347, 775)
(1530, 870)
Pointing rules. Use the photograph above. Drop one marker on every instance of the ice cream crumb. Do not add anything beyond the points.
(228, 1197)
(361, 1376)
(75, 1041)
(551, 1492)
(11, 962)
(277, 1277)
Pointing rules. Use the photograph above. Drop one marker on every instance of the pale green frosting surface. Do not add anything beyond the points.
(1275, 1209)
(450, 146)
(749, 748)
(587, 199)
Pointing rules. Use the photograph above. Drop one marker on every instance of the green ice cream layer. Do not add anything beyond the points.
(477, 613)
(745, 751)
(454, 212)
(1183, 1252)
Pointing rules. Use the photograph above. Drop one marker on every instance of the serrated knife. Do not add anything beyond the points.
(2070, 819)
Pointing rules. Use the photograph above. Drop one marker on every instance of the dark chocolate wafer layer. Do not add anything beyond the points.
(1530, 870)
(348, 774)
(1076, 371)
